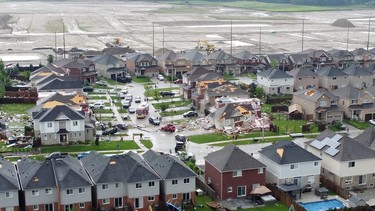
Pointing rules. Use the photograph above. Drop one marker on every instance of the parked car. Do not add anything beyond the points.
(190, 114)
(129, 97)
(121, 126)
(131, 110)
(126, 79)
(110, 132)
(55, 155)
(83, 154)
(137, 99)
(101, 83)
(125, 103)
(97, 105)
(168, 128)
(178, 81)
(88, 89)
(154, 121)
(180, 138)
(372, 121)
(160, 77)
(126, 117)
(166, 94)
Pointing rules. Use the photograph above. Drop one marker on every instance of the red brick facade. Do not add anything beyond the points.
(87, 206)
(41, 207)
(179, 198)
(146, 203)
(17, 208)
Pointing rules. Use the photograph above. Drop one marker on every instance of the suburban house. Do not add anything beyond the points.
(233, 115)
(178, 180)
(319, 58)
(9, 186)
(118, 51)
(345, 162)
(331, 78)
(356, 103)
(191, 78)
(222, 62)
(359, 77)
(282, 60)
(122, 181)
(248, 62)
(77, 102)
(298, 60)
(60, 85)
(275, 81)
(367, 138)
(109, 66)
(61, 125)
(193, 56)
(39, 82)
(304, 78)
(363, 57)
(342, 58)
(45, 71)
(83, 69)
(201, 86)
(289, 164)
(230, 178)
(318, 104)
(173, 64)
(142, 64)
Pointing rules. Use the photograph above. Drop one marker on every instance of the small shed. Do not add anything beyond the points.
(356, 201)
(322, 192)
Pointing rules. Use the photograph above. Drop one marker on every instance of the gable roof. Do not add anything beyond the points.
(117, 50)
(367, 138)
(197, 72)
(49, 78)
(57, 84)
(227, 159)
(8, 176)
(225, 89)
(299, 58)
(313, 53)
(73, 63)
(218, 55)
(313, 94)
(167, 166)
(69, 173)
(231, 110)
(108, 59)
(370, 90)
(360, 52)
(348, 92)
(287, 152)
(341, 54)
(354, 70)
(274, 74)
(330, 71)
(36, 174)
(303, 72)
(245, 55)
(48, 115)
(193, 55)
(168, 55)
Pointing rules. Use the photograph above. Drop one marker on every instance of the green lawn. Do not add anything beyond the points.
(101, 111)
(150, 93)
(103, 146)
(93, 97)
(100, 87)
(147, 143)
(251, 75)
(172, 104)
(357, 124)
(173, 113)
(14, 109)
(210, 137)
(141, 79)
(250, 141)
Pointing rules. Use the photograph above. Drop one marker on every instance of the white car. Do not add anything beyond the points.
(97, 105)
(160, 77)
(372, 121)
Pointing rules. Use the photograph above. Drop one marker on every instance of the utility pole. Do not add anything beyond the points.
(63, 41)
(55, 47)
(163, 40)
(347, 40)
(231, 38)
(153, 39)
(369, 31)
(260, 41)
(303, 31)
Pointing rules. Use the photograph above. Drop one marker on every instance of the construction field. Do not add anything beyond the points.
(90, 24)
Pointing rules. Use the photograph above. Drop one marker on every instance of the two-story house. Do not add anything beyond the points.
(122, 181)
(275, 81)
(222, 62)
(60, 85)
(142, 64)
(359, 77)
(342, 58)
(318, 104)
(319, 58)
(298, 60)
(9, 186)
(60, 125)
(178, 180)
(248, 62)
(304, 78)
(45, 71)
(282, 61)
(367, 138)
(83, 69)
(201, 86)
(345, 161)
(109, 66)
(356, 103)
(363, 57)
(288, 163)
(174, 64)
(332, 78)
(232, 173)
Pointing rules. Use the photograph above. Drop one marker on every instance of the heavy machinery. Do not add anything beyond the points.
(203, 45)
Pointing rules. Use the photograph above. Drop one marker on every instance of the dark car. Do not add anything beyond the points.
(110, 132)
(180, 138)
(190, 114)
(126, 79)
(88, 89)
(166, 94)
(154, 121)
(121, 126)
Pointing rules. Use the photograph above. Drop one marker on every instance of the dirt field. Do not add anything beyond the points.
(90, 24)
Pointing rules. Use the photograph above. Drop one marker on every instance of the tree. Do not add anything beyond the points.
(156, 95)
(274, 63)
(164, 106)
(259, 92)
(50, 58)
(4, 79)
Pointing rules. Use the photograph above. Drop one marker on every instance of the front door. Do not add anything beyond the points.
(63, 138)
(297, 181)
(138, 203)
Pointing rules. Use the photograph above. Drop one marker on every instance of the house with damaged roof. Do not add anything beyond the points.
(122, 181)
(345, 161)
(9, 186)
(231, 179)
(275, 81)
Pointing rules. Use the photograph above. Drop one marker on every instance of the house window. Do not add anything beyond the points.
(105, 201)
(118, 202)
(75, 123)
(9, 209)
(36, 207)
(81, 205)
(229, 189)
(311, 179)
(8, 194)
(237, 173)
(48, 191)
(354, 101)
(174, 182)
(118, 185)
(48, 207)
(348, 180)
(316, 163)
(294, 166)
(333, 102)
(186, 180)
(241, 191)
(81, 190)
(35, 192)
(362, 180)
(69, 191)
(334, 78)
(49, 124)
(68, 207)
(138, 185)
(260, 170)
(351, 164)
(174, 196)
(151, 184)
(373, 175)
(105, 186)
(151, 198)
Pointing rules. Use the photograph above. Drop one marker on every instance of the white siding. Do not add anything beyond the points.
(112, 191)
(75, 197)
(42, 198)
(9, 202)
(146, 190)
(180, 187)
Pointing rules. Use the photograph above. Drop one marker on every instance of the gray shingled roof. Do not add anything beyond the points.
(193, 55)
(348, 92)
(341, 54)
(118, 50)
(194, 74)
(70, 173)
(330, 71)
(299, 58)
(52, 77)
(303, 72)
(370, 90)
(313, 94)
(354, 70)
(210, 76)
(292, 153)
(36, 174)
(167, 166)
(360, 51)
(245, 55)
(108, 59)
(226, 89)
(274, 74)
(58, 84)
(349, 149)
(229, 111)
(232, 158)
(367, 138)
(8, 176)
(48, 115)
(167, 56)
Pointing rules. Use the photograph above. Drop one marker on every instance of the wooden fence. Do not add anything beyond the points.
(201, 184)
(284, 198)
(332, 186)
